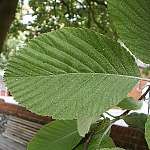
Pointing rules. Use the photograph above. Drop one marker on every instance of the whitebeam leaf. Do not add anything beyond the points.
(147, 131)
(131, 19)
(58, 135)
(112, 148)
(71, 73)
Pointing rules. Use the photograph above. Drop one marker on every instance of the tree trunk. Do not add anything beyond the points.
(7, 14)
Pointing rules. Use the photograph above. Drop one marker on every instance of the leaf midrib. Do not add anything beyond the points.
(104, 74)
(68, 135)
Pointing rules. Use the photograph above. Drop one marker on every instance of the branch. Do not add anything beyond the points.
(143, 96)
(87, 141)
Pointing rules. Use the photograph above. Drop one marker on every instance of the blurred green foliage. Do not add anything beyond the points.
(146, 71)
(48, 15)
(53, 14)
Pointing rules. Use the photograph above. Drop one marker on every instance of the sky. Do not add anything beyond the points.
(26, 1)
(27, 17)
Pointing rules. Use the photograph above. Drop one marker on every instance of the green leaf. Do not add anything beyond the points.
(130, 104)
(80, 147)
(58, 135)
(106, 142)
(136, 120)
(71, 73)
(84, 124)
(147, 131)
(101, 138)
(131, 20)
(111, 148)
(98, 143)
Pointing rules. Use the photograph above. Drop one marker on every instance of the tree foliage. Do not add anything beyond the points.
(54, 14)
(50, 15)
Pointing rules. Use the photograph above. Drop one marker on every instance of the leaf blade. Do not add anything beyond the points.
(131, 20)
(136, 120)
(58, 134)
(130, 104)
(78, 71)
(147, 131)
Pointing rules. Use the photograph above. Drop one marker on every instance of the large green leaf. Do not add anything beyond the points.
(71, 73)
(147, 131)
(131, 19)
(58, 135)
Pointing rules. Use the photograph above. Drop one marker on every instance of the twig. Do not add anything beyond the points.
(110, 115)
(125, 113)
(143, 96)
(87, 141)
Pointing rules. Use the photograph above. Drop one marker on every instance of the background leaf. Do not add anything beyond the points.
(131, 20)
(58, 135)
(130, 104)
(100, 138)
(106, 142)
(112, 148)
(71, 73)
(147, 131)
(80, 147)
(136, 120)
